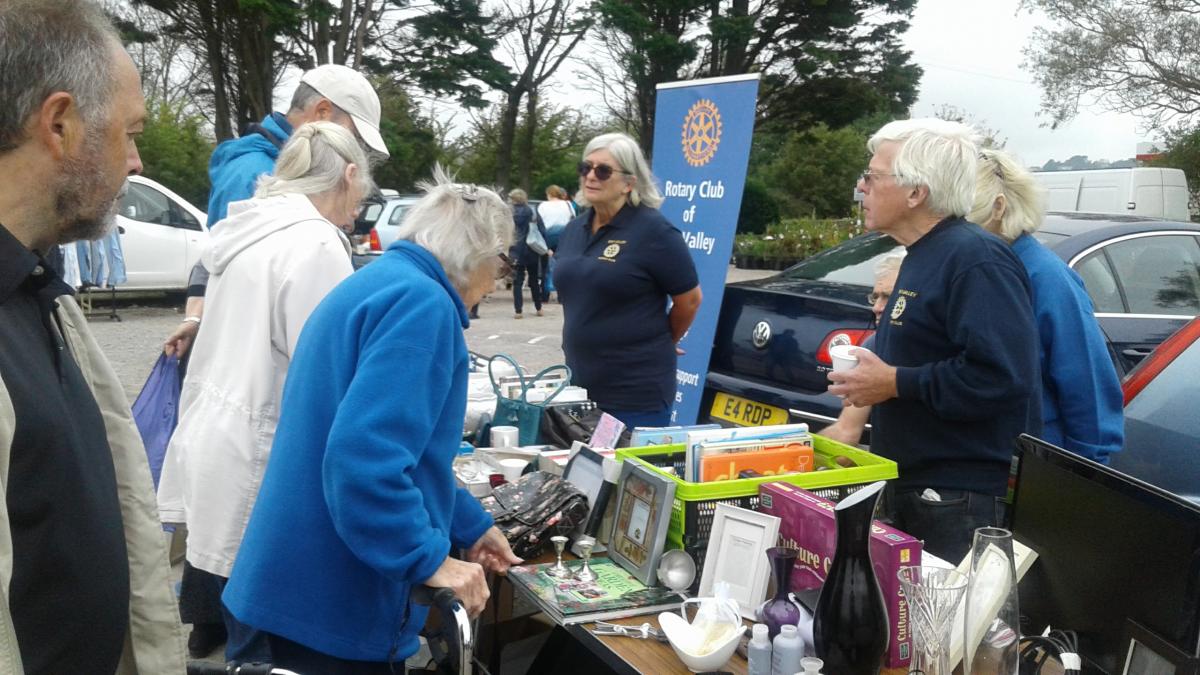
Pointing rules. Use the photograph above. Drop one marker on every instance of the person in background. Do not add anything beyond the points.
(85, 581)
(1081, 394)
(272, 260)
(954, 376)
(363, 468)
(620, 263)
(525, 260)
(554, 213)
(850, 424)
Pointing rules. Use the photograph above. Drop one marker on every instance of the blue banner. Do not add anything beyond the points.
(702, 134)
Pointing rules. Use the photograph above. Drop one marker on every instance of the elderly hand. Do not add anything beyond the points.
(467, 581)
(871, 381)
(493, 552)
(179, 342)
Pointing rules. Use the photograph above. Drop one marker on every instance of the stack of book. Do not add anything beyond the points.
(726, 454)
(613, 595)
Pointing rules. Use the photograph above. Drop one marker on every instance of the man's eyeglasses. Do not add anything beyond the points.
(873, 298)
(505, 267)
(868, 176)
(603, 171)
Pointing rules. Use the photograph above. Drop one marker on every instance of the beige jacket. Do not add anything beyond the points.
(154, 643)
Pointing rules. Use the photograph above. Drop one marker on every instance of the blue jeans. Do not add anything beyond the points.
(947, 526)
(642, 418)
(245, 644)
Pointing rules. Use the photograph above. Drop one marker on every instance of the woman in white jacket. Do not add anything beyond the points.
(272, 260)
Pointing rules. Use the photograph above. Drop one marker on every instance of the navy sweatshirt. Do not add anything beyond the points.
(959, 328)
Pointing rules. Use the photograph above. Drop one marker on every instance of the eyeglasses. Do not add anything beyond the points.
(603, 171)
(868, 176)
(505, 267)
(873, 298)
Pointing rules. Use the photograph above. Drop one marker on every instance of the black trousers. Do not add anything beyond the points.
(535, 286)
(305, 661)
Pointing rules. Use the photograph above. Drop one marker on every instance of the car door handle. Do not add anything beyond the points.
(1136, 353)
(120, 229)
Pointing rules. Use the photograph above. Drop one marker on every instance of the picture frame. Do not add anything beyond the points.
(643, 513)
(737, 554)
(585, 470)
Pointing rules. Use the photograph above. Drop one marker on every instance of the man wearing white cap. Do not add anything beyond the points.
(330, 93)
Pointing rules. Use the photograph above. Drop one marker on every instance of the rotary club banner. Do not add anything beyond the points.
(702, 135)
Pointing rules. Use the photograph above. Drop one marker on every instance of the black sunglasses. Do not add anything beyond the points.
(603, 171)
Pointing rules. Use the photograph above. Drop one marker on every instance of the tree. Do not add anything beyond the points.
(175, 150)
(990, 137)
(414, 141)
(1132, 56)
(815, 171)
(1183, 152)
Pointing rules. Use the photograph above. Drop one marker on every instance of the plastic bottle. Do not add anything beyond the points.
(758, 653)
(787, 652)
(811, 665)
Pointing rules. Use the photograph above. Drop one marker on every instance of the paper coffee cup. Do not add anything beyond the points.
(844, 357)
(512, 468)
(505, 437)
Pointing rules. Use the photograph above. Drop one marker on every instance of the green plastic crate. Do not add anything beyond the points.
(695, 503)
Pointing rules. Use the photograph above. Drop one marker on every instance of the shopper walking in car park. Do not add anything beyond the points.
(620, 263)
(526, 261)
(1081, 395)
(954, 377)
(554, 213)
(84, 576)
(274, 258)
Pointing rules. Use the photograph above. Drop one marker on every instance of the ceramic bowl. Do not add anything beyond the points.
(682, 638)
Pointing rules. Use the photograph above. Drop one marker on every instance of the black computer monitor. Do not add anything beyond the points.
(1112, 551)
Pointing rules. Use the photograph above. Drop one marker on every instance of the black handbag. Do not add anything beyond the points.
(563, 424)
(534, 508)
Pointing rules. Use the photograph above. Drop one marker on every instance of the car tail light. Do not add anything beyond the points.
(375, 244)
(841, 336)
(1159, 359)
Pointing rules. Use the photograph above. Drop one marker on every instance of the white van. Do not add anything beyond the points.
(1142, 191)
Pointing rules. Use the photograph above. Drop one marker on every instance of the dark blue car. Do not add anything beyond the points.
(771, 350)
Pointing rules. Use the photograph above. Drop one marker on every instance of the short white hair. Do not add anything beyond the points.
(313, 162)
(629, 157)
(461, 224)
(939, 154)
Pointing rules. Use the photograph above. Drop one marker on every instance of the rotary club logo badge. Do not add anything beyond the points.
(898, 308)
(701, 132)
(611, 250)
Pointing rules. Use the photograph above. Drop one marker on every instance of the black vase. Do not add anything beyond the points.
(850, 625)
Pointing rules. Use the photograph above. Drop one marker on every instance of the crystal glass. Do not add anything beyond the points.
(992, 613)
(933, 594)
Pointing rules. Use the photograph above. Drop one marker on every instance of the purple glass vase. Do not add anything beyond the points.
(781, 610)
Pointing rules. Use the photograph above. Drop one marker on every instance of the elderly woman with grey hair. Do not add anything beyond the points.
(619, 265)
(272, 260)
(362, 462)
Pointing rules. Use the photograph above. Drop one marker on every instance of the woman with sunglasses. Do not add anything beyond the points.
(359, 503)
(619, 266)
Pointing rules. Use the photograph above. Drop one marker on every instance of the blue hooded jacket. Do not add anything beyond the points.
(236, 164)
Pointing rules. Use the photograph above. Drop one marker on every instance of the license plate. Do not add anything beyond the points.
(746, 413)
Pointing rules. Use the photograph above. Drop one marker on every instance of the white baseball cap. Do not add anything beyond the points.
(349, 90)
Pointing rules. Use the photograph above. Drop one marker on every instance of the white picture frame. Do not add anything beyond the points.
(737, 554)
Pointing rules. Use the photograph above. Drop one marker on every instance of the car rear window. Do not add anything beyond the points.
(850, 262)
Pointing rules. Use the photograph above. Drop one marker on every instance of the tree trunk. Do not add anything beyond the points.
(255, 68)
(735, 48)
(525, 155)
(344, 28)
(211, 18)
(508, 128)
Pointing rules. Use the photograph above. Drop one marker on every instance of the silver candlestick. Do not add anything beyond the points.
(558, 570)
(585, 572)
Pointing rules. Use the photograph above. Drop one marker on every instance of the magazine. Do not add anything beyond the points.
(691, 466)
(614, 594)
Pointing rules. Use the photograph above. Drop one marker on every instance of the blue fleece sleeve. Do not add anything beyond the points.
(990, 318)
(1077, 366)
(370, 470)
(234, 181)
(469, 521)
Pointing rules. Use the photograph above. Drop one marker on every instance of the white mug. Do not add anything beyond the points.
(505, 437)
(512, 468)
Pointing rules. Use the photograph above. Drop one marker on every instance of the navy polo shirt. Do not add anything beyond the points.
(614, 286)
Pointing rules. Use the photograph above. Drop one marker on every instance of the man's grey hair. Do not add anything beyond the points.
(889, 264)
(313, 162)
(629, 157)
(939, 154)
(52, 46)
(462, 225)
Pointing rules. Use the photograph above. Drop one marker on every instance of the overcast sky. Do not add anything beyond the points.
(971, 53)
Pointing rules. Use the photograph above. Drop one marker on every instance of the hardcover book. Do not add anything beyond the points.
(808, 524)
(613, 595)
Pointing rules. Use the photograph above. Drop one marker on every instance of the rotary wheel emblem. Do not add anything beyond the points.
(701, 132)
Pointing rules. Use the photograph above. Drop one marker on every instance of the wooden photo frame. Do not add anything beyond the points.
(639, 531)
(737, 554)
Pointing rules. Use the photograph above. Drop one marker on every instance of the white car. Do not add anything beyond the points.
(162, 236)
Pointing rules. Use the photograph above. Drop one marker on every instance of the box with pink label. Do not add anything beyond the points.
(808, 525)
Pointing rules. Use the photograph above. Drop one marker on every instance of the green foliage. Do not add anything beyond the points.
(816, 169)
(175, 151)
(411, 140)
(1183, 152)
(759, 208)
(797, 238)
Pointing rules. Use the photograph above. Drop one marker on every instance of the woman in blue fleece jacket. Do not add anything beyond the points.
(1081, 395)
(359, 504)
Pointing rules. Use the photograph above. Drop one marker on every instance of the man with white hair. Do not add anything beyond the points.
(954, 378)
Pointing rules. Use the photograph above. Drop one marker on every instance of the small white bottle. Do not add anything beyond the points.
(787, 651)
(758, 652)
(811, 665)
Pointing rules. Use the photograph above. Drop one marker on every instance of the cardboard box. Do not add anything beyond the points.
(808, 525)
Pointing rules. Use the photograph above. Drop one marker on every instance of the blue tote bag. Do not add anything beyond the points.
(156, 411)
